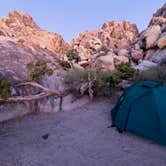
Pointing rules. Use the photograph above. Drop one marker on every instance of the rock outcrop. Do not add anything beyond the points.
(22, 41)
(105, 63)
(151, 45)
(14, 59)
(116, 35)
(21, 27)
(112, 37)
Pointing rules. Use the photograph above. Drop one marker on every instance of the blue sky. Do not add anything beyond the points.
(69, 17)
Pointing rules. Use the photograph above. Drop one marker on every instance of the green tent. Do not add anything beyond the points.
(142, 110)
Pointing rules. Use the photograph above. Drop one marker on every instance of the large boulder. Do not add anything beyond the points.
(157, 21)
(123, 52)
(161, 43)
(145, 64)
(14, 59)
(105, 63)
(158, 56)
(137, 55)
(150, 36)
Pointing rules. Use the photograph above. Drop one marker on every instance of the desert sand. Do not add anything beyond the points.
(79, 137)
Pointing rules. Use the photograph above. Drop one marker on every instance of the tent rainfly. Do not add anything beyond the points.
(142, 110)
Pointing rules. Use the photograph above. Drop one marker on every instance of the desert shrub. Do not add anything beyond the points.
(65, 64)
(100, 81)
(115, 78)
(38, 69)
(5, 86)
(49, 72)
(104, 83)
(73, 55)
(126, 71)
(75, 77)
(157, 73)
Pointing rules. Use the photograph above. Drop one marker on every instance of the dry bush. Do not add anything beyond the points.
(95, 82)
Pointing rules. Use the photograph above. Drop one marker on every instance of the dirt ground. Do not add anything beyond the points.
(77, 138)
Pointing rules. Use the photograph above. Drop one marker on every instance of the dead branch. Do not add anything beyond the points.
(34, 84)
(90, 90)
(46, 93)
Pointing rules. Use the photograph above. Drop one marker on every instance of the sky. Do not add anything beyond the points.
(70, 17)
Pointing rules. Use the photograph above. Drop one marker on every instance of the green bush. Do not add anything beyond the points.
(115, 78)
(5, 86)
(100, 81)
(38, 69)
(157, 74)
(65, 64)
(104, 83)
(126, 71)
(73, 55)
(49, 72)
(75, 77)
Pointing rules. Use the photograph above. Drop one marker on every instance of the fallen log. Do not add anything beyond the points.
(46, 93)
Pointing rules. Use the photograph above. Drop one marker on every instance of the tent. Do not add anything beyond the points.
(142, 110)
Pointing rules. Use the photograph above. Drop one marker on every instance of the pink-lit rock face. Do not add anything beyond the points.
(123, 34)
(112, 35)
(14, 58)
(20, 26)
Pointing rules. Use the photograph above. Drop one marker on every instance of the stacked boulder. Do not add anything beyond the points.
(151, 45)
(108, 46)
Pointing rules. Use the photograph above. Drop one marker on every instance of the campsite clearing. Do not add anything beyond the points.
(76, 138)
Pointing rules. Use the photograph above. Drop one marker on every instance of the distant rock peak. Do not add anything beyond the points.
(21, 26)
(19, 18)
(113, 35)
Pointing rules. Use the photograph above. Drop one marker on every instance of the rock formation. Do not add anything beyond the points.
(21, 27)
(22, 42)
(112, 37)
(152, 41)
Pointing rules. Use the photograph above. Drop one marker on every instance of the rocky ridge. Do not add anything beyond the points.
(21, 27)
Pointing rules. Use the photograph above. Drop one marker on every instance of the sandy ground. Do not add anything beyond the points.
(77, 138)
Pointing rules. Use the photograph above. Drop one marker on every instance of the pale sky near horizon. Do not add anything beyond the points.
(69, 18)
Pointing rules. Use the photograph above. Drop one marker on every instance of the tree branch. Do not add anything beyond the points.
(46, 93)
